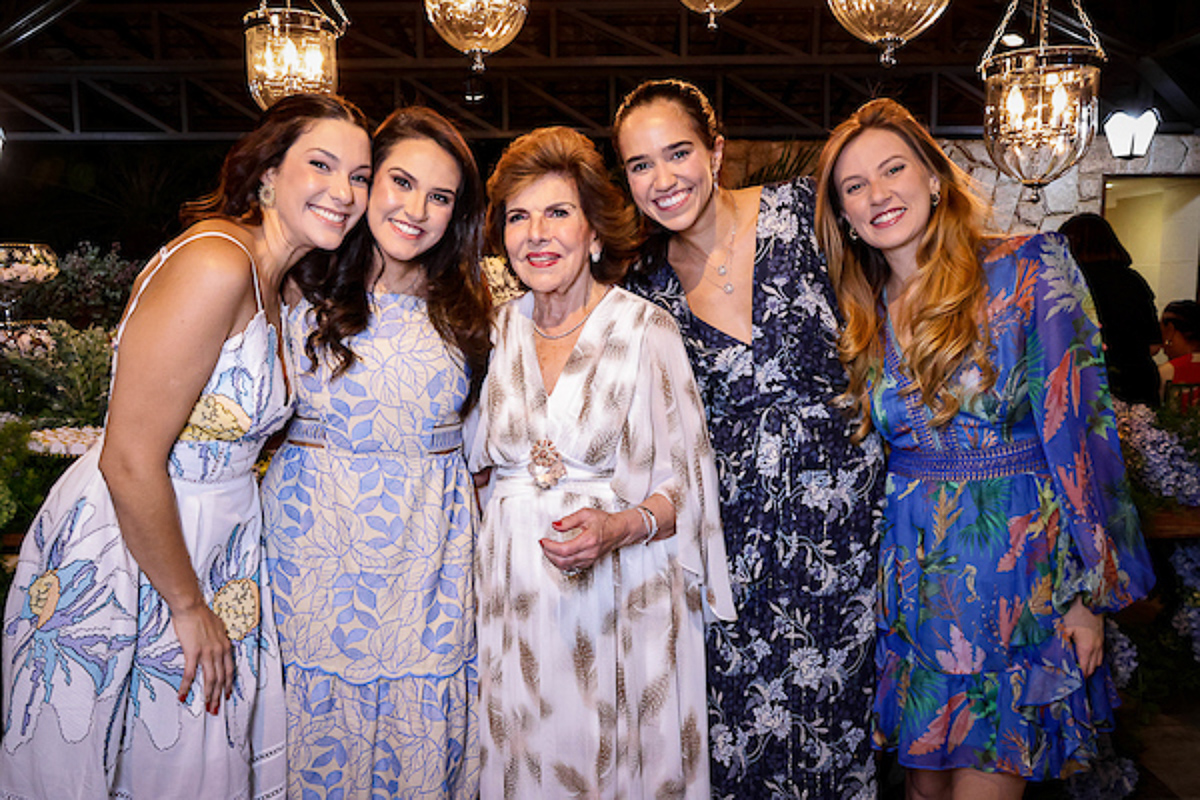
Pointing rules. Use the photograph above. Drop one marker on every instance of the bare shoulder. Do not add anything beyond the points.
(206, 259)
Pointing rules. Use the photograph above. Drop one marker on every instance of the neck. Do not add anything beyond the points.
(553, 310)
(273, 253)
(397, 277)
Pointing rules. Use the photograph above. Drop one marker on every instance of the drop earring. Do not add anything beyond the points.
(935, 198)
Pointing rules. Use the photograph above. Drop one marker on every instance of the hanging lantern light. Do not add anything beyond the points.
(477, 27)
(1041, 102)
(887, 24)
(711, 8)
(291, 50)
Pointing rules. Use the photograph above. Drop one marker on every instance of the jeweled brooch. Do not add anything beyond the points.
(545, 464)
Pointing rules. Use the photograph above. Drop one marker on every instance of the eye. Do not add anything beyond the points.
(895, 169)
(442, 198)
(558, 213)
(513, 217)
(681, 154)
(637, 166)
(401, 181)
(319, 164)
(851, 188)
(361, 178)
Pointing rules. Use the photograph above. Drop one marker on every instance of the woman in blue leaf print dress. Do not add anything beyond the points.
(369, 507)
(790, 680)
(139, 602)
(1009, 529)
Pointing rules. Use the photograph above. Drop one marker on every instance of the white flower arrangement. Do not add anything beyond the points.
(64, 441)
(27, 263)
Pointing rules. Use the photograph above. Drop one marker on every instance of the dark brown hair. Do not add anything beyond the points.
(566, 152)
(458, 301)
(236, 195)
(693, 101)
(1093, 241)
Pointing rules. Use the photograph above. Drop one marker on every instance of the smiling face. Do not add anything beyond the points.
(885, 193)
(670, 170)
(548, 239)
(321, 184)
(412, 199)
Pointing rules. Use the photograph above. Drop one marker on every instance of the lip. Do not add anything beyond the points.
(406, 230)
(330, 217)
(542, 259)
(672, 201)
(888, 218)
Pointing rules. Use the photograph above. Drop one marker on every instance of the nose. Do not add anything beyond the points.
(876, 191)
(416, 206)
(537, 228)
(663, 177)
(341, 190)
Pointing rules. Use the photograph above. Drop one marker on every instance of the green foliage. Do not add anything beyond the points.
(797, 158)
(25, 477)
(66, 384)
(91, 288)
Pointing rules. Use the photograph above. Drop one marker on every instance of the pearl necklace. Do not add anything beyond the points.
(587, 313)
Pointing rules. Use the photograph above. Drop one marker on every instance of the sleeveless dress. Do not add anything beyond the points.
(995, 522)
(91, 661)
(790, 680)
(371, 519)
(593, 684)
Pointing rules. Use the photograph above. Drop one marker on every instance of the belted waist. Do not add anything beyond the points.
(511, 480)
(313, 433)
(1002, 461)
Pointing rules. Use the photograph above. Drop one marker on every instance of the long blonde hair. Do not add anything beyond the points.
(947, 305)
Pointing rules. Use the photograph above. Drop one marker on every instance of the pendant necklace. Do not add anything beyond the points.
(723, 269)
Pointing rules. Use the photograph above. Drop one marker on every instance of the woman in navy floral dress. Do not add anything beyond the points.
(1009, 530)
(790, 680)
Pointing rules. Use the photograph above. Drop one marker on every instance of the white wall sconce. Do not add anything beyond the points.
(1129, 136)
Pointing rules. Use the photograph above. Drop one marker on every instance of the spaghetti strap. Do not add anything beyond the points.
(164, 253)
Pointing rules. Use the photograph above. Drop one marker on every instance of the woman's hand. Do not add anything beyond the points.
(206, 645)
(599, 534)
(1086, 631)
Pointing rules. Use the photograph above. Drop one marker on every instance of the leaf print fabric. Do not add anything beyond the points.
(92, 666)
(593, 685)
(980, 560)
(371, 521)
(790, 680)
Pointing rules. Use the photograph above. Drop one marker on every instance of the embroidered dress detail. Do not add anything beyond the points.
(1001, 461)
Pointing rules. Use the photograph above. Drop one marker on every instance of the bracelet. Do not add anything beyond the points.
(650, 521)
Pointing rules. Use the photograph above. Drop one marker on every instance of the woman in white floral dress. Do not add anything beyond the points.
(139, 603)
(601, 547)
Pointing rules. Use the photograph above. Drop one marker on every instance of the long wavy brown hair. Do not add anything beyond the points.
(946, 306)
(236, 195)
(567, 152)
(457, 298)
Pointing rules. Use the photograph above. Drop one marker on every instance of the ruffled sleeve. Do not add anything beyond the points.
(665, 449)
(1101, 553)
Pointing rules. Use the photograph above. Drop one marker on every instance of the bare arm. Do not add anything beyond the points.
(168, 350)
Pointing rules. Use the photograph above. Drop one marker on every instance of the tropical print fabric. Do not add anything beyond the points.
(790, 681)
(91, 663)
(994, 524)
(593, 685)
(371, 519)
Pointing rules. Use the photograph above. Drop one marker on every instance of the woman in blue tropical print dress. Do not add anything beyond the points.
(1009, 529)
(370, 510)
(790, 681)
(140, 601)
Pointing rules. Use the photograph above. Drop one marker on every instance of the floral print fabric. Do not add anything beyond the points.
(92, 665)
(371, 520)
(978, 565)
(790, 681)
(593, 685)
